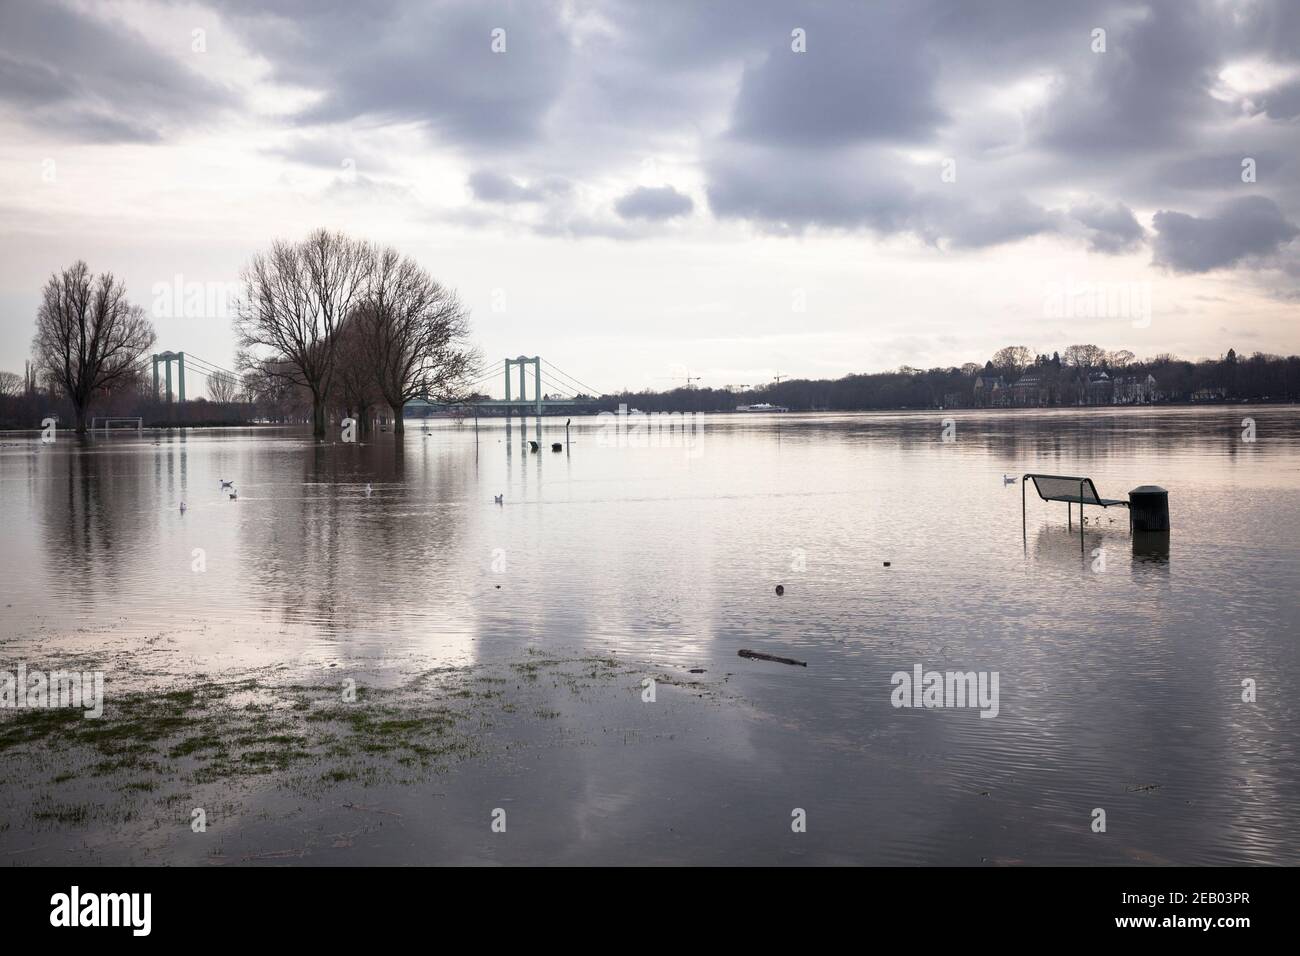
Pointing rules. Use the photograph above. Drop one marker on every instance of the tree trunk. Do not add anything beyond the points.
(398, 420)
(318, 418)
(81, 410)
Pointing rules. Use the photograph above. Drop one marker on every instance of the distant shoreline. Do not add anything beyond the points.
(1021, 410)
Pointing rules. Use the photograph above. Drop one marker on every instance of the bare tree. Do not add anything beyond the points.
(354, 383)
(1084, 356)
(414, 332)
(224, 387)
(1121, 359)
(88, 336)
(276, 398)
(297, 297)
(11, 384)
(1013, 358)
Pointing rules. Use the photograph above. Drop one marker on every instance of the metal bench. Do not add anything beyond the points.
(1069, 489)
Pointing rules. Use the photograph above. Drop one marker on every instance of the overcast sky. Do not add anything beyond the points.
(641, 191)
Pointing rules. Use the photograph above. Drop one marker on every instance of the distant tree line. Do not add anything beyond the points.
(1063, 375)
(330, 325)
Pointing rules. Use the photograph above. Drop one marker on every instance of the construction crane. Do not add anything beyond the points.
(688, 379)
(777, 378)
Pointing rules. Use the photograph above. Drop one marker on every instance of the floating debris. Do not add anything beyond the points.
(760, 656)
(780, 589)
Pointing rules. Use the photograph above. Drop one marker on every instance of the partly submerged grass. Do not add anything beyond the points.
(149, 744)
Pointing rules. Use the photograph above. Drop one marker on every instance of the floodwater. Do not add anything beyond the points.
(1120, 662)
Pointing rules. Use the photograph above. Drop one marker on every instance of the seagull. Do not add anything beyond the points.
(368, 488)
(499, 499)
(1008, 480)
(226, 484)
(182, 507)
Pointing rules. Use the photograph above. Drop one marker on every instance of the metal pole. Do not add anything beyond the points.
(507, 405)
(523, 407)
(1024, 526)
(1080, 515)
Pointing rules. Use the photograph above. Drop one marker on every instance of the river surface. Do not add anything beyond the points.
(897, 539)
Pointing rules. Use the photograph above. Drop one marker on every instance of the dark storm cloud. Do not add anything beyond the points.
(654, 203)
(1148, 89)
(1248, 228)
(789, 191)
(1282, 102)
(841, 137)
(490, 186)
(1010, 220)
(426, 62)
(1110, 228)
(865, 75)
(95, 80)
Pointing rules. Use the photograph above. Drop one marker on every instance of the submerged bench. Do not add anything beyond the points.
(1070, 489)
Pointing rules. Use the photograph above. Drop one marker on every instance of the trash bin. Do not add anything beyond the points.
(1148, 508)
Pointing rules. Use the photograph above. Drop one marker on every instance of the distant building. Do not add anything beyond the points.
(1099, 389)
(1134, 390)
(1030, 392)
(990, 391)
(1209, 395)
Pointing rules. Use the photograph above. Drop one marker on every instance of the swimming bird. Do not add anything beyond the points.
(499, 499)
(226, 484)
(1008, 480)
(182, 507)
(234, 495)
(368, 488)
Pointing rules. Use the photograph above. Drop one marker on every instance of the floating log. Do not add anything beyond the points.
(760, 656)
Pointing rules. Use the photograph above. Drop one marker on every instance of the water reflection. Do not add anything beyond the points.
(1121, 655)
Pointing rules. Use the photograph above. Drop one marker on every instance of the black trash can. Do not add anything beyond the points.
(1148, 508)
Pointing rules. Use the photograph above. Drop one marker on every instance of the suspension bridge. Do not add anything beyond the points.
(553, 391)
(552, 388)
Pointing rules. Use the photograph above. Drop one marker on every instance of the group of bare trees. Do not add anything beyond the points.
(354, 325)
(1015, 359)
(89, 337)
(351, 325)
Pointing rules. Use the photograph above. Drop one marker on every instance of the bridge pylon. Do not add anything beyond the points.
(522, 363)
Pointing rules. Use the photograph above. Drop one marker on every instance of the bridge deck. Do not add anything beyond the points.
(501, 403)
